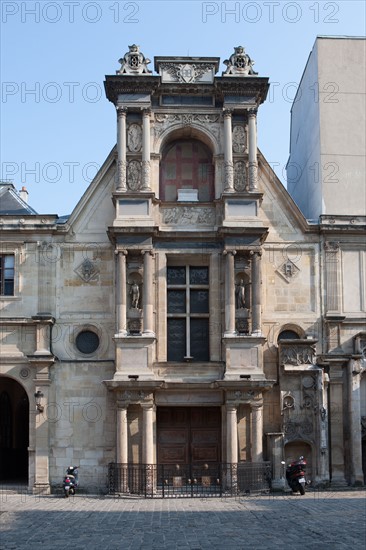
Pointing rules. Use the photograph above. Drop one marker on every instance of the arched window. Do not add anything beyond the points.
(186, 164)
(288, 335)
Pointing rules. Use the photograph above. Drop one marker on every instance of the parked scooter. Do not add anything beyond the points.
(295, 475)
(71, 480)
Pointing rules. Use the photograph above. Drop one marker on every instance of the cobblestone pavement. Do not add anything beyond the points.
(318, 520)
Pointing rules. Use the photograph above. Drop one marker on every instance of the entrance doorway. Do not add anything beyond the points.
(189, 435)
(14, 431)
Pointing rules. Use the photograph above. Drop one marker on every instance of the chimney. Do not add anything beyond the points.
(23, 194)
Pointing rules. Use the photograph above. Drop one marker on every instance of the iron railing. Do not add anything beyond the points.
(188, 480)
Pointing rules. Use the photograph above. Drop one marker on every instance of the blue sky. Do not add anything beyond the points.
(57, 127)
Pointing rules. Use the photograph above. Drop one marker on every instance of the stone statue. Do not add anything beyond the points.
(135, 295)
(240, 295)
(239, 63)
(134, 62)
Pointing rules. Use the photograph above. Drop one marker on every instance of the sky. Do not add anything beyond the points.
(57, 127)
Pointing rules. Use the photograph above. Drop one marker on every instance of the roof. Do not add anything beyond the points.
(11, 203)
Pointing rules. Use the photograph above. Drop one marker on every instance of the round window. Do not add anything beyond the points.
(87, 341)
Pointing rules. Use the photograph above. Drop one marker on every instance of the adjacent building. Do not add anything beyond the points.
(186, 314)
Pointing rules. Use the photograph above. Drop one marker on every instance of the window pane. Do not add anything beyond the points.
(176, 301)
(200, 340)
(198, 275)
(7, 275)
(9, 262)
(176, 275)
(9, 288)
(199, 301)
(176, 339)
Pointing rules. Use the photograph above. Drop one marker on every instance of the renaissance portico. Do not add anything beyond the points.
(185, 329)
(187, 236)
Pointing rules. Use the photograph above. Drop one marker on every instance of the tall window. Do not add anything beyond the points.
(6, 274)
(188, 313)
(187, 164)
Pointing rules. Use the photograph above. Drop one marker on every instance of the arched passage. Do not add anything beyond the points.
(14, 430)
(295, 449)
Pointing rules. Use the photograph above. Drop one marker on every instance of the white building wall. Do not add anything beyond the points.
(328, 130)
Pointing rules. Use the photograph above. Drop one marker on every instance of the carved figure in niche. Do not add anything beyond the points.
(240, 295)
(238, 139)
(134, 138)
(239, 176)
(239, 63)
(135, 295)
(134, 62)
(134, 175)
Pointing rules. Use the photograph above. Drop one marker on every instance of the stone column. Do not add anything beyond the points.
(121, 294)
(146, 150)
(336, 425)
(229, 293)
(228, 151)
(354, 409)
(256, 293)
(332, 277)
(231, 435)
(121, 479)
(257, 432)
(231, 448)
(252, 150)
(41, 440)
(122, 435)
(121, 149)
(148, 433)
(148, 454)
(148, 291)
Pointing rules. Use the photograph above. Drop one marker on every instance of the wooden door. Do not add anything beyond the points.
(189, 435)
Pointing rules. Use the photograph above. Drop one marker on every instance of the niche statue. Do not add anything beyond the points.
(240, 295)
(135, 295)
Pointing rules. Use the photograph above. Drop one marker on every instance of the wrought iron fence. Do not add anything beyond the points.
(189, 480)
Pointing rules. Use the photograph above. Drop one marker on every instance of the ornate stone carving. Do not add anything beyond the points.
(186, 72)
(240, 176)
(121, 174)
(229, 174)
(134, 138)
(146, 174)
(163, 121)
(239, 63)
(298, 429)
(298, 355)
(134, 175)
(288, 270)
(188, 216)
(238, 139)
(87, 271)
(134, 62)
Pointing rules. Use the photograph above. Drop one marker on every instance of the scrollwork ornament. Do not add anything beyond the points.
(134, 175)
(240, 176)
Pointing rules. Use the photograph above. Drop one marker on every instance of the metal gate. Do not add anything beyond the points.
(188, 480)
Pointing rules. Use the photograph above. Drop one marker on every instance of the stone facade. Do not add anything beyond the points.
(186, 311)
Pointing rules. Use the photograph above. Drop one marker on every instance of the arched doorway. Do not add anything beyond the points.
(295, 449)
(14, 431)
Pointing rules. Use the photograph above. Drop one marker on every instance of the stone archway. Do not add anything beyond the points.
(14, 431)
(295, 449)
